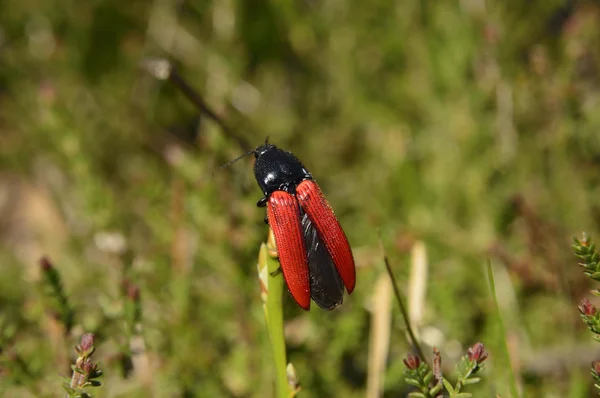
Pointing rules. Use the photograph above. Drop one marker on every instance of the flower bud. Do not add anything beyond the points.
(412, 362)
(477, 353)
(587, 308)
(596, 367)
(85, 348)
(45, 263)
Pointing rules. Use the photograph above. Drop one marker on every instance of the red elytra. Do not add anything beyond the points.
(284, 215)
(329, 229)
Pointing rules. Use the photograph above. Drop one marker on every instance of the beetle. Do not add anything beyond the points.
(314, 253)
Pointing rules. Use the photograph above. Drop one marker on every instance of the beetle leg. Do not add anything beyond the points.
(262, 202)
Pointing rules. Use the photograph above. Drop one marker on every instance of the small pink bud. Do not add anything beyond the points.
(412, 362)
(88, 366)
(477, 353)
(45, 263)
(87, 341)
(133, 292)
(587, 308)
(596, 367)
(85, 348)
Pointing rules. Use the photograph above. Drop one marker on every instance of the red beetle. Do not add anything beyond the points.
(314, 252)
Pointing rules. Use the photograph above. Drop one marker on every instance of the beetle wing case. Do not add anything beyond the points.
(329, 229)
(283, 213)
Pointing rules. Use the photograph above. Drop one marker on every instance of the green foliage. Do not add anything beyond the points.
(58, 302)
(469, 125)
(596, 373)
(431, 382)
(586, 251)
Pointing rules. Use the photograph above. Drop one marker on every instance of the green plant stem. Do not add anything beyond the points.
(512, 380)
(461, 381)
(272, 291)
(413, 338)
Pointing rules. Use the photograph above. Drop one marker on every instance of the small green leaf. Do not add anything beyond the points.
(413, 382)
(464, 395)
(595, 276)
(68, 388)
(417, 394)
(448, 386)
(427, 377)
(95, 374)
(472, 380)
(436, 389)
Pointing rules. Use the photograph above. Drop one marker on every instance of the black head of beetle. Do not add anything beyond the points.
(277, 170)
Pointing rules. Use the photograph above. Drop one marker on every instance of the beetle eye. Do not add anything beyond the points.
(261, 150)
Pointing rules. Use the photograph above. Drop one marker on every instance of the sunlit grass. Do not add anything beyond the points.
(471, 126)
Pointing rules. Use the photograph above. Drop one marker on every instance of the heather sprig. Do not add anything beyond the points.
(132, 307)
(591, 317)
(85, 372)
(58, 301)
(418, 374)
(586, 251)
(470, 365)
(596, 373)
(432, 384)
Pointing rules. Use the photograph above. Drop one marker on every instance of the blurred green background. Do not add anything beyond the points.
(470, 126)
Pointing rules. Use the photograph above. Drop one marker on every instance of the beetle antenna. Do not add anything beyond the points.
(267, 140)
(236, 159)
